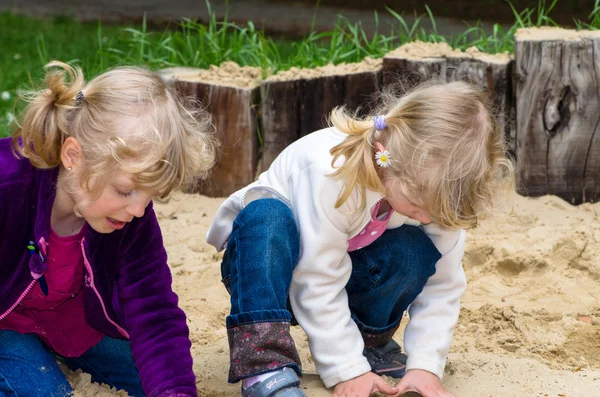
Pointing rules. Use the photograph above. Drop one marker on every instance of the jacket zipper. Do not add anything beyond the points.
(29, 287)
(91, 280)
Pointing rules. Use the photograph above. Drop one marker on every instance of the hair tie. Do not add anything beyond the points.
(379, 122)
(79, 97)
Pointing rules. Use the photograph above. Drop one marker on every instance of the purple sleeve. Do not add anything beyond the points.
(156, 325)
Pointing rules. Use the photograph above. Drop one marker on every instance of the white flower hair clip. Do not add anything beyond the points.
(383, 158)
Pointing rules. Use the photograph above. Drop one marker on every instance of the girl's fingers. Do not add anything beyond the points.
(383, 387)
(402, 387)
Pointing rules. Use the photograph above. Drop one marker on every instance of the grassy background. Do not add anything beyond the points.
(29, 43)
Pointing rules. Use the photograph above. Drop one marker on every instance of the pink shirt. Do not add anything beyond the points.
(58, 319)
(372, 231)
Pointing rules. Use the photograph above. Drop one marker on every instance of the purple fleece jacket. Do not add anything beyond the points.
(127, 292)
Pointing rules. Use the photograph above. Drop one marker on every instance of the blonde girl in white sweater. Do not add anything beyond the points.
(350, 227)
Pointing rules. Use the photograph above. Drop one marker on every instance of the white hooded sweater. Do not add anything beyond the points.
(300, 177)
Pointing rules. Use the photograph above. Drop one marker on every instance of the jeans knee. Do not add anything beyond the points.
(267, 209)
(269, 219)
(19, 342)
(264, 239)
(417, 249)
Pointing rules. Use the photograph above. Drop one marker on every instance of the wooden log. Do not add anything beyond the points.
(280, 117)
(298, 101)
(403, 74)
(361, 91)
(231, 94)
(319, 96)
(558, 113)
(494, 74)
(417, 62)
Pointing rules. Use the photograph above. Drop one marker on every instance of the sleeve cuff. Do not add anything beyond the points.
(333, 376)
(436, 367)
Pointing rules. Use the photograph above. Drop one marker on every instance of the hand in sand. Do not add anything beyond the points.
(423, 382)
(363, 386)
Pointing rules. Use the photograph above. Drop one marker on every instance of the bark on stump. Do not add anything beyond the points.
(558, 113)
(299, 101)
(418, 62)
(234, 114)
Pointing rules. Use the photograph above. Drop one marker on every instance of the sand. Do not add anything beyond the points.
(228, 74)
(368, 65)
(419, 50)
(546, 33)
(530, 320)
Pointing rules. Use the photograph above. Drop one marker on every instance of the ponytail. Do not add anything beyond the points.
(358, 169)
(45, 123)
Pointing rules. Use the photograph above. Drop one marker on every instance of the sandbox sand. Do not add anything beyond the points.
(529, 326)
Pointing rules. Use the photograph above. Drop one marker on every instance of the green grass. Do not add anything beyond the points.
(29, 43)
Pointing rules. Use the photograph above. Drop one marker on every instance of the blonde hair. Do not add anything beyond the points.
(127, 119)
(447, 155)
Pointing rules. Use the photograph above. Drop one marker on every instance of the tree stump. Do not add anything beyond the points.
(414, 63)
(280, 117)
(558, 113)
(298, 101)
(231, 94)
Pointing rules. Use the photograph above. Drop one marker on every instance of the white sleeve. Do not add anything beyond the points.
(434, 313)
(317, 293)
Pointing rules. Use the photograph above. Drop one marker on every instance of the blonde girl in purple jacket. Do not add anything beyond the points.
(84, 276)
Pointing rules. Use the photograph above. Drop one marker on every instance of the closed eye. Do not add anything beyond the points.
(122, 193)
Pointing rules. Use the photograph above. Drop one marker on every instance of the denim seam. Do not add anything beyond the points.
(371, 266)
(235, 265)
(14, 392)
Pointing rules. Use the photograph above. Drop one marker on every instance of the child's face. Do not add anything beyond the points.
(118, 204)
(399, 202)
(404, 206)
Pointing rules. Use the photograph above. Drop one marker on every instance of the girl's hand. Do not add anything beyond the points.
(363, 386)
(423, 382)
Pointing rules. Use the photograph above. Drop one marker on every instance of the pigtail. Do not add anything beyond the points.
(45, 123)
(358, 169)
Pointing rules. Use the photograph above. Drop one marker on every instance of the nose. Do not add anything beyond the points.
(137, 208)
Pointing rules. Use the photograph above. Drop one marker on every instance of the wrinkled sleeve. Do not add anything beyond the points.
(434, 313)
(317, 294)
(156, 325)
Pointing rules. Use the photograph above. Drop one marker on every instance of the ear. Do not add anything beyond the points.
(379, 147)
(70, 153)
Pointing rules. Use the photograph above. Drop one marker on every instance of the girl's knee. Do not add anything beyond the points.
(267, 209)
(27, 368)
(19, 342)
(413, 238)
(268, 218)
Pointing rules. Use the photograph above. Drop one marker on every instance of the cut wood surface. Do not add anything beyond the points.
(558, 113)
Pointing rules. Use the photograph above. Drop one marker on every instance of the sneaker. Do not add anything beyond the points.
(387, 359)
(282, 384)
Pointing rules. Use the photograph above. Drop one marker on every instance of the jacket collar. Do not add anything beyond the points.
(46, 181)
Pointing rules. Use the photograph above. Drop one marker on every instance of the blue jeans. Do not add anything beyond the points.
(28, 368)
(257, 267)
